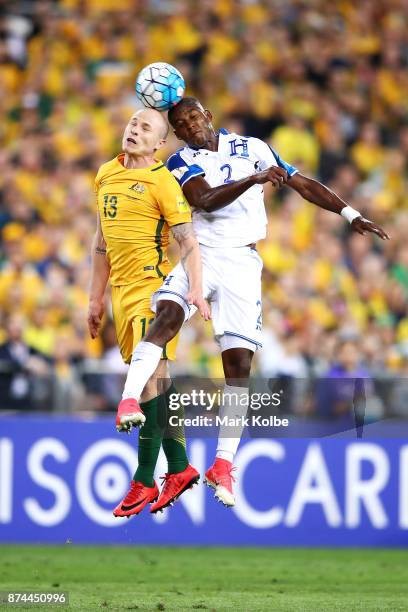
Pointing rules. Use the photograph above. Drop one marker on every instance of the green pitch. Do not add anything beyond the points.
(248, 579)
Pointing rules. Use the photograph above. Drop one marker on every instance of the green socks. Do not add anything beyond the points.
(157, 431)
(150, 439)
(174, 441)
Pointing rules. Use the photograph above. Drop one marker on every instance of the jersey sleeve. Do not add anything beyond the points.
(269, 157)
(173, 205)
(96, 187)
(182, 169)
(97, 181)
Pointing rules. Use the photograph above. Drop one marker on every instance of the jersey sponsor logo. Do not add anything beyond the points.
(179, 172)
(238, 147)
(182, 205)
(138, 188)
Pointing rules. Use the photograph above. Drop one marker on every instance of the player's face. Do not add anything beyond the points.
(143, 134)
(193, 125)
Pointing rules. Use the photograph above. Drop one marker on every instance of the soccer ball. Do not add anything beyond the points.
(160, 86)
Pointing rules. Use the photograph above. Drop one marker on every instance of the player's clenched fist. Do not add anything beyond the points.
(95, 314)
(275, 175)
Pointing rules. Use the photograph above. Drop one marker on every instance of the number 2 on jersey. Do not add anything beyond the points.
(110, 206)
(259, 319)
(228, 168)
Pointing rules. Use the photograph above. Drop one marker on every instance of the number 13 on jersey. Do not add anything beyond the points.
(110, 206)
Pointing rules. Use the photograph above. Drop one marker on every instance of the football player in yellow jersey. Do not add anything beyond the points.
(138, 200)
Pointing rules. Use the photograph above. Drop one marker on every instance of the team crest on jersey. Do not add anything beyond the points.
(138, 188)
(239, 148)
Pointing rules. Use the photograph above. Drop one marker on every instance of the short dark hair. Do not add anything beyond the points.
(187, 102)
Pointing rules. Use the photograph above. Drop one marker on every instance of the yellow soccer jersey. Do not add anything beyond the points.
(136, 208)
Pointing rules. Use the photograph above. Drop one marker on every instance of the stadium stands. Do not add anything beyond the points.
(325, 83)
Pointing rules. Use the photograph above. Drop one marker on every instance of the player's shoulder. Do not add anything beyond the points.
(236, 142)
(161, 173)
(227, 135)
(179, 158)
(183, 165)
(106, 169)
(108, 165)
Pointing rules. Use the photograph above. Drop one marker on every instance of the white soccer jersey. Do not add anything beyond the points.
(244, 220)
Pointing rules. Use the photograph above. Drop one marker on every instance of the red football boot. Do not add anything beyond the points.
(174, 486)
(136, 499)
(220, 478)
(129, 413)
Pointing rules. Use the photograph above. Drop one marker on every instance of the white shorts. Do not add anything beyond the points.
(232, 285)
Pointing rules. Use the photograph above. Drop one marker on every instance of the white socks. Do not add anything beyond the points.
(234, 406)
(145, 359)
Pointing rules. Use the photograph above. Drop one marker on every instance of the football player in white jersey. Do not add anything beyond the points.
(221, 175)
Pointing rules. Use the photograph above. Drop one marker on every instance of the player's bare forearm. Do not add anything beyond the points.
(317, 193)
(99, 268)
(191, 262)
(324, 197)
(99, 279)
(190, 259)
(189, 253)
(203, 197)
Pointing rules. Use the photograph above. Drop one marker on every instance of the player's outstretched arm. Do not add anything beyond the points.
(203, 197)
(191, 261)
(99, 279)
(322, 196)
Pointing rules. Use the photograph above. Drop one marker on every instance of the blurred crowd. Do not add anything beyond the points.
(325, 83)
